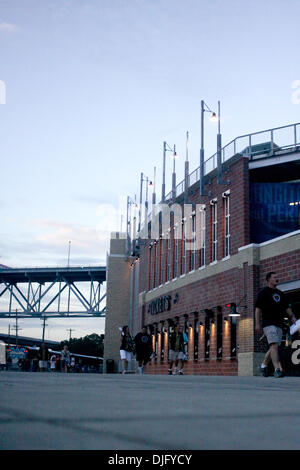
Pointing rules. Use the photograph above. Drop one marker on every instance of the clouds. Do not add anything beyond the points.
(46, 242)
(8, 27)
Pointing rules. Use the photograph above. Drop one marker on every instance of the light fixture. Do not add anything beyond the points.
(213, 117)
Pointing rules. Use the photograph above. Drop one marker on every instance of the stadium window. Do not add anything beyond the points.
(214, 230)
(176, 242)
(162, 271)
(183, 245)
(200, 221)
(168, 242)
(226, 222)
(193, 251)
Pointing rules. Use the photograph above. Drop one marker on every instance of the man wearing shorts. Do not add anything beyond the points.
(176, 351)
(43, 357)
(272, 305)
(143, 349)
(126, 348)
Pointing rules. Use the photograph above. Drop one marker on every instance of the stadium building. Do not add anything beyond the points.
(202, 256)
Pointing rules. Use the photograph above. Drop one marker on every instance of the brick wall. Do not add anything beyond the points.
(239, 284)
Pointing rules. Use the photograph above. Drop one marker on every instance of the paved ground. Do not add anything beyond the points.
(95, 411)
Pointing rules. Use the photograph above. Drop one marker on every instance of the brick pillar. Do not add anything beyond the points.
(118, 298)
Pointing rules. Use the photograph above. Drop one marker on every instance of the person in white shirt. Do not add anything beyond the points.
(53, 363)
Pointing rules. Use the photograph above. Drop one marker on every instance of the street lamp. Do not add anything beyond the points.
(167, 148)
(130, 202)
(204, 108)
(214, 118)
(149, 183)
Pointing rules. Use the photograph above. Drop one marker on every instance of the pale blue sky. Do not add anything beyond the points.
(94, 87)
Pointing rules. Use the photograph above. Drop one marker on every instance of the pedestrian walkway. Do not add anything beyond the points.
(95, 411)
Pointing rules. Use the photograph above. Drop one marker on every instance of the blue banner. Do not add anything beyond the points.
(274, 210)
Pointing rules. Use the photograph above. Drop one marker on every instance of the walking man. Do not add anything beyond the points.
(43, 357)
(127, 348)
(143, 349)
(176, 353)
(272, 305)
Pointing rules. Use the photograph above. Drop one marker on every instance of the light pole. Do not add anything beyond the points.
(130, 235)
(204, 108)
(69, 254)
(17, 328)
(186, 170)
(167, 148)
(44, 327)
(70, 330)
(149, 183)
(154, 192)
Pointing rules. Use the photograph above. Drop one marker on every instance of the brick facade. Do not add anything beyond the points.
(233, 279)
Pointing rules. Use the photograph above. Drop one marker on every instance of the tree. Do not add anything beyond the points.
(91, 345)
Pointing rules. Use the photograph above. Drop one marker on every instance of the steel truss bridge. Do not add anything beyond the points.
(52, 292)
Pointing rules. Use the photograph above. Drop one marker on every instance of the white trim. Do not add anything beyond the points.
(193, 270)
(288, 286)
(282, 237)
(182, 275)
(226, 258)
(213, 262)
(268, 242)
(276, 160)
(202, 267)
(246, 247)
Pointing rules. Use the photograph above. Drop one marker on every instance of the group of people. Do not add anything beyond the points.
(62, 362)
(271, 307)
(141, 347)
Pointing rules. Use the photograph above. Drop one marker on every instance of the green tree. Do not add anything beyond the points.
(91, 345)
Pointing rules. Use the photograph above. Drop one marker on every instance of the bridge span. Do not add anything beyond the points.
(52, 292)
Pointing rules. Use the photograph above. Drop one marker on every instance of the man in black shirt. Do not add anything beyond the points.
(271, 305)
(143, 348)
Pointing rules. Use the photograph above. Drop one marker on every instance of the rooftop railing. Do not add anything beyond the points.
(260, 144)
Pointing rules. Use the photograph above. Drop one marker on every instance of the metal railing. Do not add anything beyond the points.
(259, 144)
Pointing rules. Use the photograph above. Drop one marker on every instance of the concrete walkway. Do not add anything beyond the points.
(94, 411)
